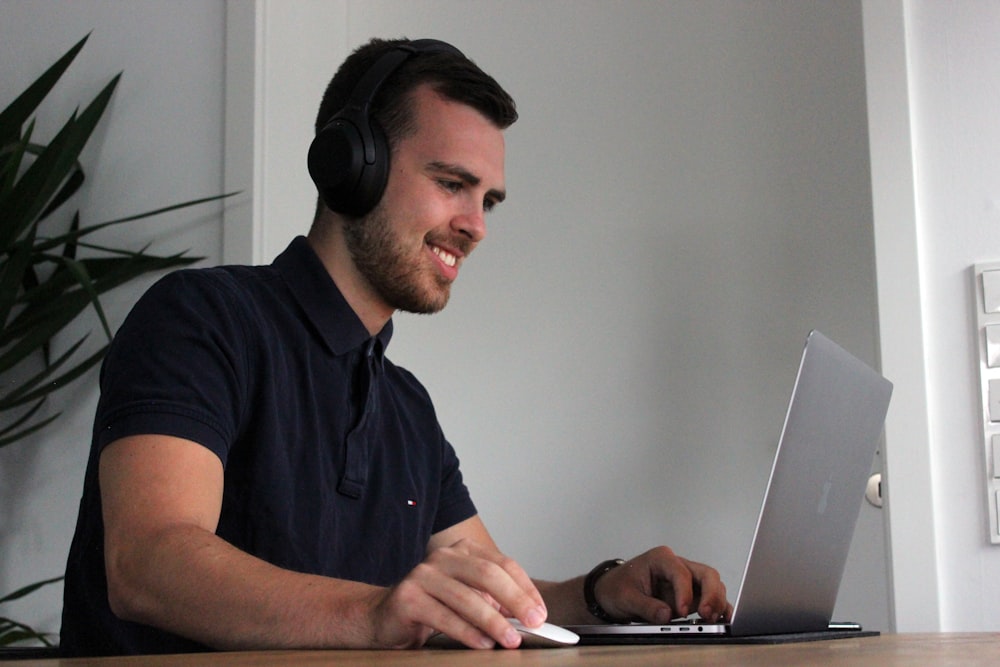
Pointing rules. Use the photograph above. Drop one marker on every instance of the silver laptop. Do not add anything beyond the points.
(833, 424)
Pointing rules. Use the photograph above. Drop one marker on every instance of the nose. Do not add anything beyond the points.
(471, 224)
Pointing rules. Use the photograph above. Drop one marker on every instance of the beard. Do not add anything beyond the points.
(401, 280)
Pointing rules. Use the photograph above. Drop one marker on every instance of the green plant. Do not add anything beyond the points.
(45, 281)
(13, 632)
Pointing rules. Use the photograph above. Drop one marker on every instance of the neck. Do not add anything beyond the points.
(327, 241)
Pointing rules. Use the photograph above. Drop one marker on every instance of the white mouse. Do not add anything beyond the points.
(546, 635)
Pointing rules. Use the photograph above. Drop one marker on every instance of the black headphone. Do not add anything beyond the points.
(349, 157)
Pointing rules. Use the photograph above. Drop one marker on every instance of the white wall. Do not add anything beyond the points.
(951, 66)
(159, 143)
(689, 195)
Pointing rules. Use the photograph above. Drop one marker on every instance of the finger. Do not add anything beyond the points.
(490, 601)
(650, 608)
(477, 584)
(504, 581)
(432, 598)
(511, 567)
(442, 618)
(712, 601)
(674, 571)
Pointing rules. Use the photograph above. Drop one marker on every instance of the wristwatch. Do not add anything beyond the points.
(588, 589)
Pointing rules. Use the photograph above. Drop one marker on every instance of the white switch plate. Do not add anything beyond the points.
(996, 457)
(991, 289)
(986, 278)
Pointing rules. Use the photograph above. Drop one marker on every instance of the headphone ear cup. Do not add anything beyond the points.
(349, 158)
(350, 176)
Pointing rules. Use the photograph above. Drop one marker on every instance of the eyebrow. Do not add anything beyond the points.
(467, 177)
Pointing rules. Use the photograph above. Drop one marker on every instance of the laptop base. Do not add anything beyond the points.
(671, 638)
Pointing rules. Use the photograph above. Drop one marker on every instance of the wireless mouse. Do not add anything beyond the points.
(546, 635)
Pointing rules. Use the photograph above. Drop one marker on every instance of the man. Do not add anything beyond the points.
(263, 476)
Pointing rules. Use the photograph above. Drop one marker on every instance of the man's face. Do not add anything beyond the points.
(444, 178)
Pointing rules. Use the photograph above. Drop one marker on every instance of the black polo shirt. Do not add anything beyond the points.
(334, 460)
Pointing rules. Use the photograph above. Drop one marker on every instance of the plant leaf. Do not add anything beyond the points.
(69, 188)
(40, 181)
(43, 327)
(49, 308)
(7, 440)
(12, 276)
(12, 153)
(60, 381)
(79, 271)
(12, 632)
(18, 111)
(30, 588)
(21, 394)
(68, 237)
(23, 419)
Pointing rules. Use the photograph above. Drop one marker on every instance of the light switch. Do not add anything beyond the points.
(991, 291)
(994, 400)
(993, 345)
(996, 456)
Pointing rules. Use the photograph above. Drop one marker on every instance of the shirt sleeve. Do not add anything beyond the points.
(456, 503)
(178, 365)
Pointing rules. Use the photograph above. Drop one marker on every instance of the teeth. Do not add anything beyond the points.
(445, 256)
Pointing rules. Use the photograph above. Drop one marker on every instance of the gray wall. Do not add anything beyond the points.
(688, 197)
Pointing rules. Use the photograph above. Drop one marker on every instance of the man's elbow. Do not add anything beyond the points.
(131, 574)
(123, 593)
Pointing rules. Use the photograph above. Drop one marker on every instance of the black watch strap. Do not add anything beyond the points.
(588, 589)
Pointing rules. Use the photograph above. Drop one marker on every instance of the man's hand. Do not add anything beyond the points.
(659, 586)
(465, 591)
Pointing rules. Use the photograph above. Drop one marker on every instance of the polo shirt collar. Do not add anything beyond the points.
(338, 325)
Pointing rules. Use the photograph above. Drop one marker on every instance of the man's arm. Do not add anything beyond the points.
(166, 568)
(161, 499)
(656, 587)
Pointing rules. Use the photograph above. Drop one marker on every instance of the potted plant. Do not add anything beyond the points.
(48, 275)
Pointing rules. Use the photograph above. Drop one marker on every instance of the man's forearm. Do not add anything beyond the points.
(188, 581)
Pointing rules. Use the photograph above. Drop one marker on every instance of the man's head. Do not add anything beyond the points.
(367, 109)
(443, 120)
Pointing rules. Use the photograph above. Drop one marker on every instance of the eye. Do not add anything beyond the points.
(489, 204)
(450, 185)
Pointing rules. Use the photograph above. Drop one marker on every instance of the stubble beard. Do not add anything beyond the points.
(397, 278)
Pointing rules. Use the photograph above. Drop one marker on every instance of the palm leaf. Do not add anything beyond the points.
(5, 435)
(11, 631)
(26, 201)
(13, 153)
(25, 392)
(56, 241)
(12, 276)
(18, 111)
(30, 588)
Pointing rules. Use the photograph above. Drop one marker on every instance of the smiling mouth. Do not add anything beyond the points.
(445, 256)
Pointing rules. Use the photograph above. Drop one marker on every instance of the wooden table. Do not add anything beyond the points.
(904, 650)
